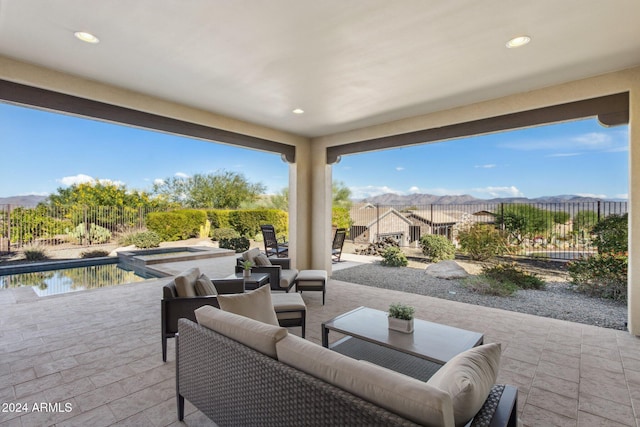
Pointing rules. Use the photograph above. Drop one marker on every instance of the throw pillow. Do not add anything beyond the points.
(262, 260)
(468, 378)
(251, 254)
(256, 305)
(186, 281)
(205, 287)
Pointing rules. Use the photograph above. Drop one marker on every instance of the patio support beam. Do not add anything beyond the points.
(610, 110)
(56, 101)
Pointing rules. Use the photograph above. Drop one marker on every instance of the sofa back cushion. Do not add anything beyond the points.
(186, 281)
(398, 393)
(255, 304)
(252, 333)
(205, 287)
(250, 255)
(468, 379)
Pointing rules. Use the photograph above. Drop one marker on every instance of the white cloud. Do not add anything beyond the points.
(75, 179)
(399, 168)
(563, 155)
(181, 175)
(158, 181)
(622, 196)
(511, 191)
(371, 190)
(490, 166)
(414, 189)
(593, 141)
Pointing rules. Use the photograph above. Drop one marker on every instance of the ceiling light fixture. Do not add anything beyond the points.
(86, 37)
(518, 41)
(298, 111)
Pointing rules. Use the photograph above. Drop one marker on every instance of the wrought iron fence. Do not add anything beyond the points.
(547, 230)
(58, 227)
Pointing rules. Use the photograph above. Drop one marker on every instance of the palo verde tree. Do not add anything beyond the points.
(222, 190)
(522, 221)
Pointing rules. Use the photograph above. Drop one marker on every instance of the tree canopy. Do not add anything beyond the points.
(97, 193)
(222, 190)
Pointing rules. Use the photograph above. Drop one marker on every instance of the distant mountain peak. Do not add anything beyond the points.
(466, 199)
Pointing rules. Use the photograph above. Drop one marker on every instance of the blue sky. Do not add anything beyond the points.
(42, 151)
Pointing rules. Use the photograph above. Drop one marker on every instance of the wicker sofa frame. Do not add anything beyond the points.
(235, 385)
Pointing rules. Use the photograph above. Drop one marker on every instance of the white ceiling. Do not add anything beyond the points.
(348, 64)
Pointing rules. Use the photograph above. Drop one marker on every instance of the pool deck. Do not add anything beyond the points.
(99, 351)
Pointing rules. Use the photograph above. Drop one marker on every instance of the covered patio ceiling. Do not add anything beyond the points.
(348, 65)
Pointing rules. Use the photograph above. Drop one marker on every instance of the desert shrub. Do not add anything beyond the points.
(437, 248)
(97, 253)
(394, 257)
(511, 273)
(35, 253)
(341, 217)
(247, 221)
(219, 217)
(145, 239)
(238, 244)
(176, 225)
(218, 234)
(96, 234)
(611, 234)
(601, 275)
(482, 242)
(487, 286)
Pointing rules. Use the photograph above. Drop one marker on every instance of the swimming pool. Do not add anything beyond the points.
(52, 278)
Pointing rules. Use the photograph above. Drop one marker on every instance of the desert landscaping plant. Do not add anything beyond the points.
(601, 275)
(238, 244)
(35, 253)
(218, 234)
(437, 248)
(511, 273)
(401, 311)
(482, 242)
(394, 257)
(97, 253)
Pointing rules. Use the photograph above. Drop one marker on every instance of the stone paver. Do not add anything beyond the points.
(99, 352)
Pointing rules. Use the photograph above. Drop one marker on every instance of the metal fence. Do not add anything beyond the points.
(58, 227)
(547, 230)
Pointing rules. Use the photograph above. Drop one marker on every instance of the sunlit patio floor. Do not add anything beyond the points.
(99, 351)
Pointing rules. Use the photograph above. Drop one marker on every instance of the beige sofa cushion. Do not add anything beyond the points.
(251, 255)
(255, 304)
(398, 393)
(186, 281)
(252, 333)
(287, 276)
(262, 259)
(205, 287)
(468, 378)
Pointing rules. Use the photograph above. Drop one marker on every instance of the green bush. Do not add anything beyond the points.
(219, 218)
(341, 217)
(35, 253)
(218, 234)
(97, 253)
(601, 275)
(482, 242)
(96, 234)
(401, 311)
(247, 221)
(510, 273)
(176, 225)
(437, 248)
(611, 234)
(145, 240)
(238, 244)
(394, 257)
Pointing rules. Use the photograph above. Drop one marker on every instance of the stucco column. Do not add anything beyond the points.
(300, 208)
(634, 209)
(321, 200)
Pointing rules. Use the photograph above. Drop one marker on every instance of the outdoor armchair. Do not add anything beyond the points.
(281, 276)
(271, 244)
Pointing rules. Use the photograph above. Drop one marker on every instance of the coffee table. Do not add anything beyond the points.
(419, 354)
(252, 282)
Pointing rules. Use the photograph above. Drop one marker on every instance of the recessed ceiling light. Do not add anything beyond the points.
(518, 41)
(298, 111)
(86, 37)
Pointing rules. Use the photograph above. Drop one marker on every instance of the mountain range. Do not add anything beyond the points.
(465, 199)
(30, 200)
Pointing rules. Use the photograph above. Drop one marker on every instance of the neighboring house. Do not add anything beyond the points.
(435, 221)
(371, 223)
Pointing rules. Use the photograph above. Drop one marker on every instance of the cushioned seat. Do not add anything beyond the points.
(312, 280)
(290, 310)
(281, 276)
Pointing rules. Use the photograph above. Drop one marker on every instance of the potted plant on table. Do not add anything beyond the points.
(401, 317)
(246, 268)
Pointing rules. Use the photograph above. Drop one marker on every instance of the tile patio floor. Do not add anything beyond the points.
(100, 352)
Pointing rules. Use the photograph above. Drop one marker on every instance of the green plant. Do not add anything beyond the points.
(35, 253)
(612, 234)
(176, 225)
(482, 242)
(218, 234)
(145, 239)
(94, 254)
(401, 311)
(246, 265)
(437, 247)
(238, 244)
(488, 286)
(394, 257)
(96, 234)
(601, 275)
(506, 273)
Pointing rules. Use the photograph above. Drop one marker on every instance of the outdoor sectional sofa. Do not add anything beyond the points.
(240, 372)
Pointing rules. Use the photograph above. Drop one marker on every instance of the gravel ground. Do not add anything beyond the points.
(557, 301)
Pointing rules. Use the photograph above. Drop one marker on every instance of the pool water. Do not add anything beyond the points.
(60, 281)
